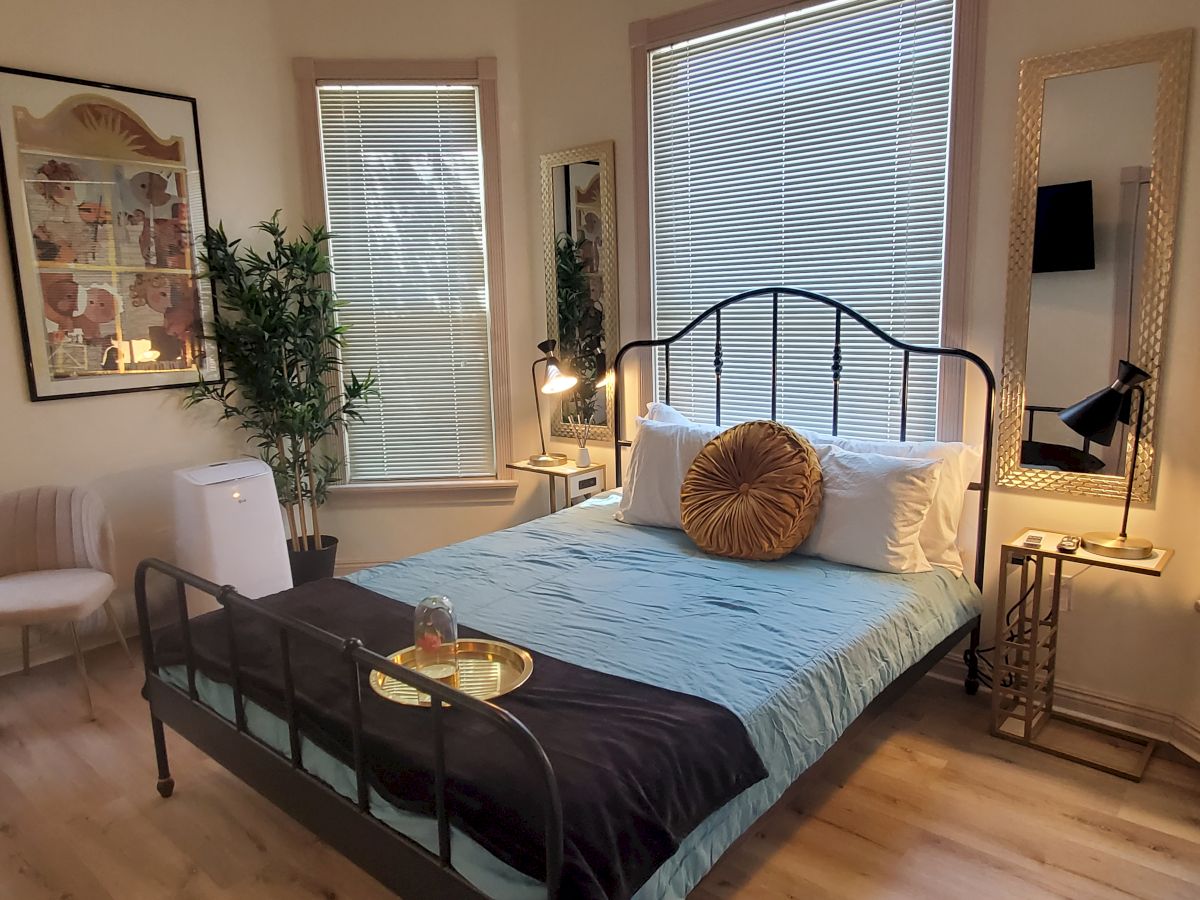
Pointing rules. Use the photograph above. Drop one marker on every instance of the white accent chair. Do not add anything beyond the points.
(56, 563)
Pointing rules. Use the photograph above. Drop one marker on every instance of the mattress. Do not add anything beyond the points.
(796, 648)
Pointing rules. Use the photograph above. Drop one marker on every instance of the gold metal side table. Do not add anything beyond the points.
(1027, 645)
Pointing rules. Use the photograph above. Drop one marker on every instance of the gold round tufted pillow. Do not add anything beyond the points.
(752, 493)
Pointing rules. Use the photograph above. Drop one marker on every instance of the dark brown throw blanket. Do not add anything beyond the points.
(638, 767)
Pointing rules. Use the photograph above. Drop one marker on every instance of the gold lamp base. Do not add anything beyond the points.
(546, 460)
(1107, 543)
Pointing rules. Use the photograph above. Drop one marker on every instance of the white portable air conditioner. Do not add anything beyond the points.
(228, 529)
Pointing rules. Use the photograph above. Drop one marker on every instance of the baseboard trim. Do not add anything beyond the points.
(1156, 724)
(1186, 738)
(59, 647)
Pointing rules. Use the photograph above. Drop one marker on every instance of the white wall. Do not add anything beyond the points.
(234, 56)
(564, 81)
(126, 446)
(1128, 637)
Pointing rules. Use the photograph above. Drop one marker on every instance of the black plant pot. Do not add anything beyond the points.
(311, 563)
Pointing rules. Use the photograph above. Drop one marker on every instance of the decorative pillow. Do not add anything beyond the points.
(661, 455)
(873, 509)
(939, 532)
(752, 493)
(661, 412)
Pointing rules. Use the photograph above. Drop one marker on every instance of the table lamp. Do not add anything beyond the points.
(555, 381)
(1095, 417)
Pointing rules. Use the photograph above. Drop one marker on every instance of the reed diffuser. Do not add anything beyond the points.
(583, 429)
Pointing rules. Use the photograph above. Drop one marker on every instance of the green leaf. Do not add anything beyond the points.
(279, 342)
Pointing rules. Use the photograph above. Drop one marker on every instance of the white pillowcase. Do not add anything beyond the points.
(872, 510)
(939, 533)
(661, 412)
(662, 454)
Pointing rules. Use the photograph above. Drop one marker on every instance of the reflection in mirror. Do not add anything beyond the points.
(1093, 181)
(579, 237)
(579, 286)
(1095, 199)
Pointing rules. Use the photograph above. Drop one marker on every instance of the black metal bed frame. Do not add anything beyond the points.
(393, 859)
(841, 311)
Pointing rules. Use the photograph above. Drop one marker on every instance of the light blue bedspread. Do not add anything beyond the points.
(796, 648)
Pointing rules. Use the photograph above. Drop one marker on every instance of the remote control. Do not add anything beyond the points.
(1069, 544)
(1033, 540)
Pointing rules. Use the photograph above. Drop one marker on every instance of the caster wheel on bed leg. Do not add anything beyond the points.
(166, 787)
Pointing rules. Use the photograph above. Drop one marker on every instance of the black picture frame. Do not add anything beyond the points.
(205, 305)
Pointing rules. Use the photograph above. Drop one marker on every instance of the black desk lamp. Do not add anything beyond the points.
(1096, 418)
(556, 381)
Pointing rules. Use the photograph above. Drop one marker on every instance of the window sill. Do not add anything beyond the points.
(475, 488)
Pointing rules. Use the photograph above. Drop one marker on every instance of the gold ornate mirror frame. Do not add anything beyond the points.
(1172, 52)
(601, 153)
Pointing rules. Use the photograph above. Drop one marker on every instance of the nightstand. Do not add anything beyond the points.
(579, 482)
(1026, 647)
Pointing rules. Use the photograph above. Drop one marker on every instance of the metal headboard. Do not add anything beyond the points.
(779, 296)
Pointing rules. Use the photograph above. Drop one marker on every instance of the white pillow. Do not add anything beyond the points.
(872, 510)
(939, 533)
(662, 454)
(661, 412)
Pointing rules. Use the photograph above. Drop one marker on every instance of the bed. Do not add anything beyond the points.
(638, 603)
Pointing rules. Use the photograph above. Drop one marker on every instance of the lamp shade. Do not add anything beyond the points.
(1095, 417)
(557, 380)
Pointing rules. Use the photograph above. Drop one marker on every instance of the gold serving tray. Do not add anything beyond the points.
(486, 669)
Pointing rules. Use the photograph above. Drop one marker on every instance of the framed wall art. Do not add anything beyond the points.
(104, 199)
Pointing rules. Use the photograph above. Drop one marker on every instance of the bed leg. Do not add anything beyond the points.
(166, 784)
(971, 657)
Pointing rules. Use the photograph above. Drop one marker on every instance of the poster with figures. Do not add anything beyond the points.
(104, 198)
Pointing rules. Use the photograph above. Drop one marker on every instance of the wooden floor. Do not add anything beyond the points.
(926, 806)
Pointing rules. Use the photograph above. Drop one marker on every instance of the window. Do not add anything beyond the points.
(404, 199)
(808, 150)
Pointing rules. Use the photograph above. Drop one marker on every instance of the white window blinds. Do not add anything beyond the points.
(404, 199)
(807, 150)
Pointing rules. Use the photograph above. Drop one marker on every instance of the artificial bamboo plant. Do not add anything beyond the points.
(580, 325)
(279, 341)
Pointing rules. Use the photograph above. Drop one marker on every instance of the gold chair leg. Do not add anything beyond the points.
(25, 649)
(112, 618)
(87, 690)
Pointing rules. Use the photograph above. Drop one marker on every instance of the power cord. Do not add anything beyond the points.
(1011, 633)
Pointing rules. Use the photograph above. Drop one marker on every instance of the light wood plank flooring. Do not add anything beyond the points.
(925, 806)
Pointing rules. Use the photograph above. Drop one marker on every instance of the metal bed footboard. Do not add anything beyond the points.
(395, 860)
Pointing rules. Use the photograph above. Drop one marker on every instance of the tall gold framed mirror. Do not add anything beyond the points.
(579, 236)
(1095, 194)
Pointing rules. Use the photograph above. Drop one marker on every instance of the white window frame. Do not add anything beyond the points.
(480, 73)
(648, 35)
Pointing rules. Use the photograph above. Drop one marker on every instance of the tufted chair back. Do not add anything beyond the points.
(54, 528)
